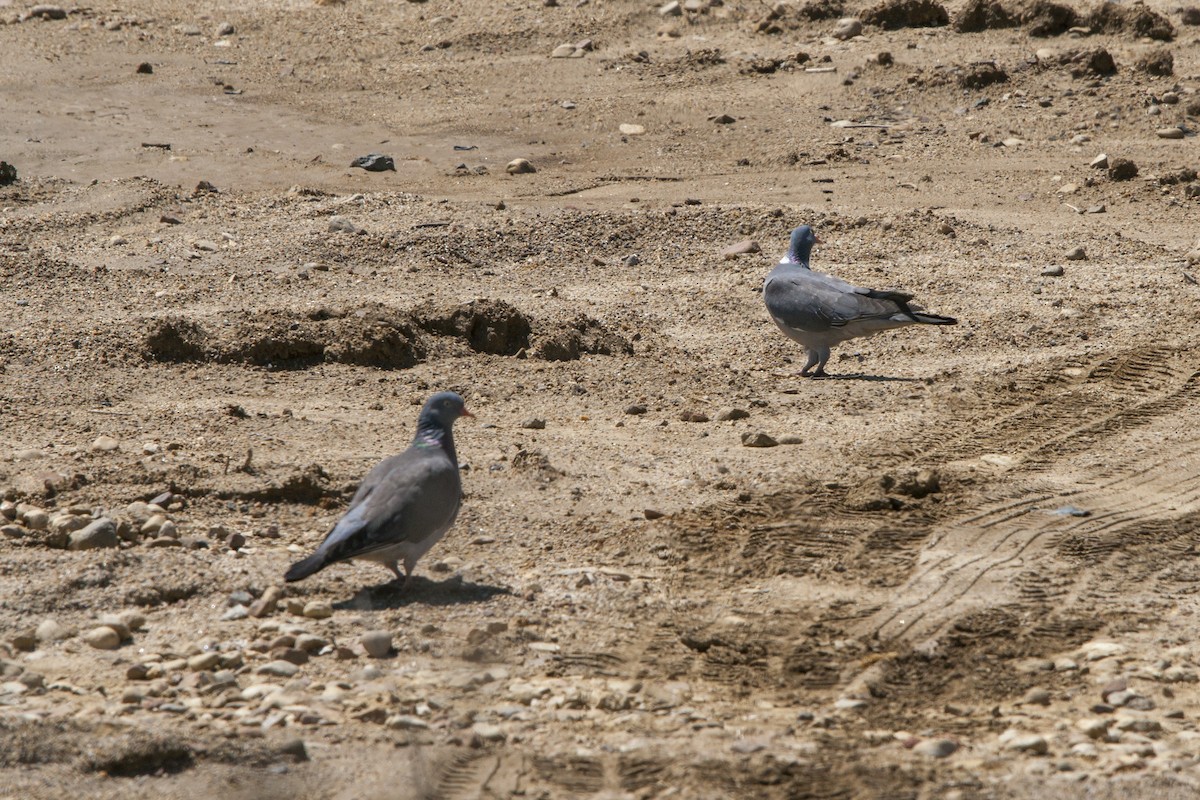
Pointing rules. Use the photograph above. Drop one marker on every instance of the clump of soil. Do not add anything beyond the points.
(984, 15)
(817, 10)
(895, 14)
(1094, 62)
(488, 326)
(1044, 18)
(577, 337)
(980, 75)
(1136, 20)
(1157, 62)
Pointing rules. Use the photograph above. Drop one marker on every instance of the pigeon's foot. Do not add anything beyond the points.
(816, 373)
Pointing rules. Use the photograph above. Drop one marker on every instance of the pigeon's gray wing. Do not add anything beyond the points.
(814, 302)
(405, 498)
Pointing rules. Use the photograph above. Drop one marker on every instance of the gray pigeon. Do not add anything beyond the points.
(819, 310)
(405, 503)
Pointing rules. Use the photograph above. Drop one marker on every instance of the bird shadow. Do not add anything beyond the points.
(421, 591)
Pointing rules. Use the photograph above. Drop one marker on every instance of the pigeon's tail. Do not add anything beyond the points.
(933, 319)
(302, 569)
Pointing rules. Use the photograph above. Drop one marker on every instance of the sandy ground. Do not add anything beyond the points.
(968, 571)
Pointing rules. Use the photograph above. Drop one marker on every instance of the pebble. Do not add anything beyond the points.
(406, 722)
(378, 644)
(1173, 132)
(692, 416)
(519, 166)
(340, 224)
(1029, 743)
(744, 247)
(206, 245)
(1096, 651)
(226, 29)
(847, 28)
(1122, 169)
(236, 612)
(727, 414)
(652, 513)
(103, 638)
(1076, 254)
(99, 534)
(936, 748)
(374, 162)
(758, 440)
(635, 409)
(204, 661)
(279, 668)
(36, 519)
(791, 438)
(117, 241)
(1099, 162)
(1037, 697)
(534, 424)
(112, 621)
(1054, 271)
(1093, 727)
(50, 630)
(266, 604)
(105, 444)
(488, 732)
(629, 129)
(671, 9)
(566, 51)
(318, 609)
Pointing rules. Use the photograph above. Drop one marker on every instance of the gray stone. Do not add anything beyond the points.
(99, 534)
(936, 748)
(758, 440)
(847, 28)
(50, 630)
(280, 668)
(318, 609)
(105, 444)
(378, 644)
(519, 166)
(103, 638)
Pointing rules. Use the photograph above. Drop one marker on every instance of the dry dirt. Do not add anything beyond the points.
(971, 573)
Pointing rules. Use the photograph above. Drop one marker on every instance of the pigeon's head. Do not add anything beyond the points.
(443, 408)
(803, 238)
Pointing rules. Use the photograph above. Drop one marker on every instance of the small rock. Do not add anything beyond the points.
(791, 438)
(1093, 727)
(318, 609)
(651, 513)
(757, 440)
(339, 224)
(721, 119)
(1099, 162)
(204, 661)
(406, 722)
(564, 51)
(534, 424)
(847, 28)
(374, 162)
(225, 29)
(635, 409)
(105, 444)
(99, 534)
(50, 630)
(671, 9)
(1076, 254)
(629, 129)
(1054, 271)
(1031, 743)
(488, 732)
(692, 416)
(1037, 697)
(378, 644)
(727, 414)
(1122, 169)
(519, 166)
(103, 638)
(936, 748)
(266, 604)
(280, 668)
(744, 247)
(1173, 132)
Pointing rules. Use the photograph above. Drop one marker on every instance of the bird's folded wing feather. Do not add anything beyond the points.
(403, 499)
(813, 301)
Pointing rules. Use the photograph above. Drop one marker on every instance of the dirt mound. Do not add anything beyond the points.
(174, 339)
(1093, 62)
(488, 326)
(977, 76)
(1157, 62)
(1136, 20)
(984, 15)
(579, 336)
(896, 14)
(1042, 17)
(818, 10)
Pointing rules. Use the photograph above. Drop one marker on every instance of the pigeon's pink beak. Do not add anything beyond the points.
(466, 413)
(816, 239)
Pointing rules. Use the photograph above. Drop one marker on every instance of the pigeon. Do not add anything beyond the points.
(405, 504)
(819, 310)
